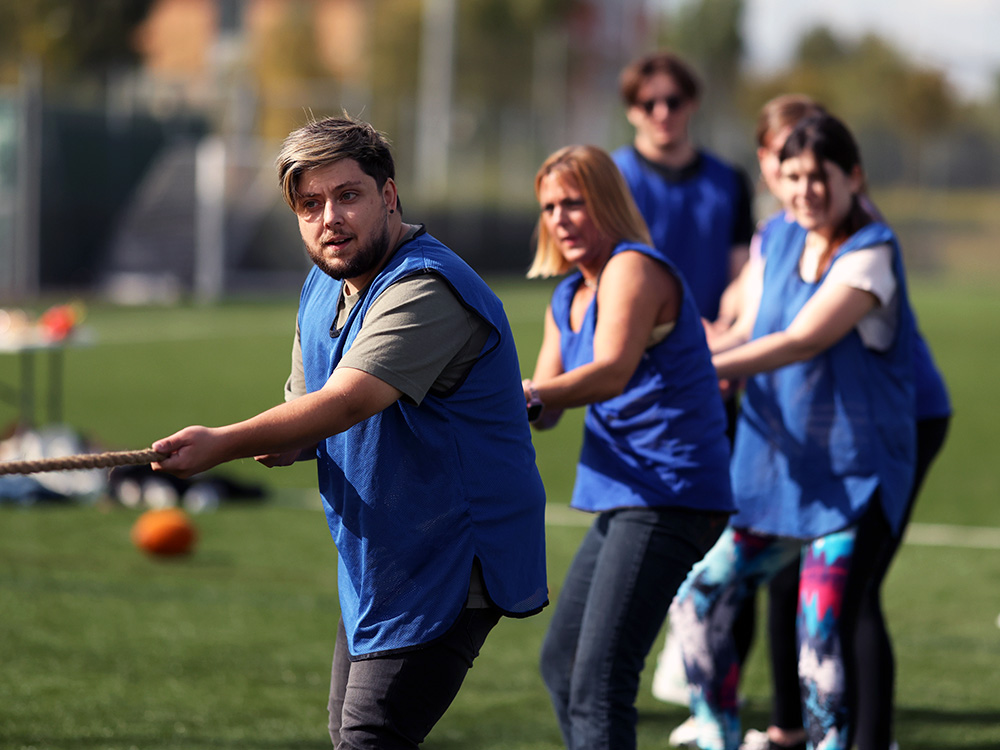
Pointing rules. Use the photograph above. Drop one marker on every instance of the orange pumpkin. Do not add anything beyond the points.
(166, 531)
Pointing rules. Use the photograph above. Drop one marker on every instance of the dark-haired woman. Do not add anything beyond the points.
(825, 448)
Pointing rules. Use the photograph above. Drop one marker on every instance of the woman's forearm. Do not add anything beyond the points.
(763, 355)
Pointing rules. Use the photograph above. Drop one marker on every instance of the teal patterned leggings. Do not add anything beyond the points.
(832, 578)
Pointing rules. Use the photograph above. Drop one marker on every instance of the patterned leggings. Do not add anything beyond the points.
(832, 580)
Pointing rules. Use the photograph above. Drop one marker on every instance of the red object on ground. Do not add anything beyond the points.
(58, 322)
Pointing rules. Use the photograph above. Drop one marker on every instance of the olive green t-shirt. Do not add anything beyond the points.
(417, 337)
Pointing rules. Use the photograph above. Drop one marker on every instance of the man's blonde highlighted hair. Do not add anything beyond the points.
(322, 142)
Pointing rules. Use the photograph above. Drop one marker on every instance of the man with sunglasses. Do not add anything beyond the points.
(698, 208)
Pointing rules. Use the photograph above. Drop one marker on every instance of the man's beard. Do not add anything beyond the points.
(367, 257)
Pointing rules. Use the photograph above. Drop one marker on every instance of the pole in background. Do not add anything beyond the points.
(435, 85)
(25, 262)
(210, 220)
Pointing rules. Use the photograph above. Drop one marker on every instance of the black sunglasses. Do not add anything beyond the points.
(672, 102)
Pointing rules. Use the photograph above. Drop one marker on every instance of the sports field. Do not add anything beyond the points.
(101, 647)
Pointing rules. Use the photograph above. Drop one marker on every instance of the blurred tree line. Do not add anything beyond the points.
(507, 51)
(913, 125)
(69, 38)
(903, 110)
(526, 77)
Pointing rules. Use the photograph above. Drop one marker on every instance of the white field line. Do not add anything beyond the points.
(942, 535)
(920, 534)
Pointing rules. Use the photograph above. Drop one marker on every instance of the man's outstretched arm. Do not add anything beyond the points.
(349, 396)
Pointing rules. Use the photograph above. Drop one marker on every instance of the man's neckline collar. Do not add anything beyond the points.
(412, 233)
(673, 174)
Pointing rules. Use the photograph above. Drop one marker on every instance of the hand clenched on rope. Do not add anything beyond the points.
(283, 434)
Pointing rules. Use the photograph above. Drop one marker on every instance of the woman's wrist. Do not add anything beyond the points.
(533, 400)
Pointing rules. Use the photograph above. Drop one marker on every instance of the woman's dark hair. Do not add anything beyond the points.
(829, 140)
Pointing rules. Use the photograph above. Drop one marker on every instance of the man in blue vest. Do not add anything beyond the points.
(698, 207)
(406, 390)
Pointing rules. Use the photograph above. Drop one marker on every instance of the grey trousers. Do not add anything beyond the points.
(393, 701)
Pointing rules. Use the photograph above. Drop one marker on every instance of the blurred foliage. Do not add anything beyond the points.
(69, 37)
(708, 33)
(494, 51)
(867, 82)
(527, 73)
(282, 63)
(289, 51)
(395, 54)
(492, 30)
(909, 109)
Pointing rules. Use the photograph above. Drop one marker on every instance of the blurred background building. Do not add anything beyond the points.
(137, 137)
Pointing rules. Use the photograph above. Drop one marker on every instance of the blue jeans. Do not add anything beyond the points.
(391, 702)
(607, 616)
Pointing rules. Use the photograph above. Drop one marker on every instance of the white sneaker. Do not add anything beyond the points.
(686, 735)
(755, 739)
(670, 683)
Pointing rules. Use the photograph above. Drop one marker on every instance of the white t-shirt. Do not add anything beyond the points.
(870, 270)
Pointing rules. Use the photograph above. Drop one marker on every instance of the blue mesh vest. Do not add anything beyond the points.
(932, 392)
(932, 399)
(414, 493)
(691, 221)
(817, 438)
(661, 442)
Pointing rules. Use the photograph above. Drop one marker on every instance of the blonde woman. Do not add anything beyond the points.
(623, 338)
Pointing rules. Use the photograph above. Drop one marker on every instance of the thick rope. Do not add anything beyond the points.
(81, 461)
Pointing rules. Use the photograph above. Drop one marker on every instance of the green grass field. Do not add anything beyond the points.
(102, 647)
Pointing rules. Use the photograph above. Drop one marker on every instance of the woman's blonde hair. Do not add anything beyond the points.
(607, 199)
